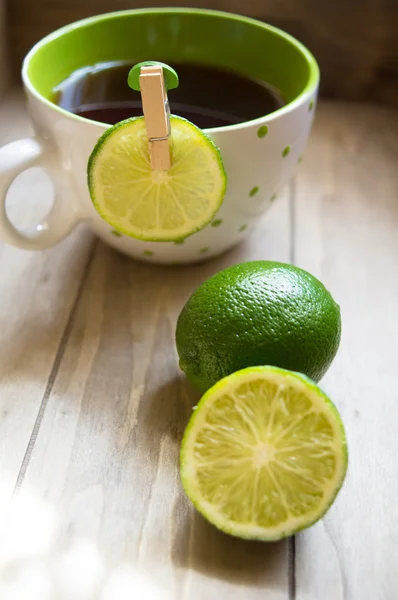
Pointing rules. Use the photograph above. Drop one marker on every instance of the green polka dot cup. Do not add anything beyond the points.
(259, 155)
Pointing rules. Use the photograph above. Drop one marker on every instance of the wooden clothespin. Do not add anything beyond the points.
(157, 116)
(153, 79)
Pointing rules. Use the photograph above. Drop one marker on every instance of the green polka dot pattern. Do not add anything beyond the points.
(254, 191)
(311, 105)
(116, 233)
(262, 131)
(204, 250)
(286, 151)
(216, 223)
(148, 253)
(242, 228)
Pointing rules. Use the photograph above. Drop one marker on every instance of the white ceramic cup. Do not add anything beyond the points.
(259, 155)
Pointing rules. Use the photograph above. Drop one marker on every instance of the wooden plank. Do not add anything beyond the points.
(103, 474)
(346, 223)
(37, 292)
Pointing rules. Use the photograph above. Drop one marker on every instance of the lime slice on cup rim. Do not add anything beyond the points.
(264, 454)
(156, 205)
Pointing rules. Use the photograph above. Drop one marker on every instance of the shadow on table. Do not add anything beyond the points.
(199, 546)
(166, 410)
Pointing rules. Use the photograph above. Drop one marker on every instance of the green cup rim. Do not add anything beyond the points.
(304, 95)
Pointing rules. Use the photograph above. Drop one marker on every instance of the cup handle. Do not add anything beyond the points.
(15, 158)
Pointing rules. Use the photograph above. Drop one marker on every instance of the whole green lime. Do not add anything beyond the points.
(258, 313)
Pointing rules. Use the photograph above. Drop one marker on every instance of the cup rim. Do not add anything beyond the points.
(304, 95)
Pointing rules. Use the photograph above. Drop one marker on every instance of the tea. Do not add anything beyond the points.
(207, 96)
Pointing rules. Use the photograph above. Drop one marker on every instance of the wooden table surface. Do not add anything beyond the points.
(93, 406)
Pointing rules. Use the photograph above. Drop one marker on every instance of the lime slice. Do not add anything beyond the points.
(156, 205)
(264, 454)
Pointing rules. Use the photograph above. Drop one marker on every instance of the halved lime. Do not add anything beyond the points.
(156, 205)
(264, 454)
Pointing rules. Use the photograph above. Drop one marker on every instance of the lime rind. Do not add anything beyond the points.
(207, 151)
(188, 471)
(170, 76)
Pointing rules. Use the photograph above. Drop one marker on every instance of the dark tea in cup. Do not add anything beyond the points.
(207, 95)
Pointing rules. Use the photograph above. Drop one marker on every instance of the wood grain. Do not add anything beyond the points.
(355, 43)
(37, 291)
(346, 224)
(95, 405)
(103, 473)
